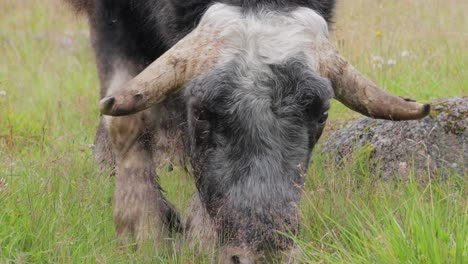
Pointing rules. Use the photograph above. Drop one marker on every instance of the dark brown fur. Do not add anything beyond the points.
(82, 6)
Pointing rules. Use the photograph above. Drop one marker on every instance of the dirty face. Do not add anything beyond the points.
(251, 134)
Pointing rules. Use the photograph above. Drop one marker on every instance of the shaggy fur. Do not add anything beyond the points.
(250, 123)
(251, 148)
(253, 122)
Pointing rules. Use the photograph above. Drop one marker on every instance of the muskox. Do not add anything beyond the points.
(244, 86)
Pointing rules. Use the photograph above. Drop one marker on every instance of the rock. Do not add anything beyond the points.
(437, 143)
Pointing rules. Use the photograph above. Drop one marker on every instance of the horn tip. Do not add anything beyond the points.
(426, 109)
(106, 104)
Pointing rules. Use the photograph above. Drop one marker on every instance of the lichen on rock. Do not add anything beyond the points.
(435, 143)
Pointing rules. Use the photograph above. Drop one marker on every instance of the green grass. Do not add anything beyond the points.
(351, 217)
(55, 208)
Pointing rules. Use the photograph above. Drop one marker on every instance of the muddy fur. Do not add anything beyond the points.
(200, 229)
(141, 210)
(130, 147)
(200, 233)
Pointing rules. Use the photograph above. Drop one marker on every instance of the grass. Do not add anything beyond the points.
(55, 208)
(352, 218)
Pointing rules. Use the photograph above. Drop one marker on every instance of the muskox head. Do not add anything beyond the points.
(258, 86)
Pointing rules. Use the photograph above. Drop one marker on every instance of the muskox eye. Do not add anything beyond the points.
(201, 115)
(323, 118)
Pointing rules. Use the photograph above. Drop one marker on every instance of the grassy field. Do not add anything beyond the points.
(55, 208)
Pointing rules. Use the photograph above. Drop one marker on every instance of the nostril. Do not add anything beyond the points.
(235, 260)
(237, 255)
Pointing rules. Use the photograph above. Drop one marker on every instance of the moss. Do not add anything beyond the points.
(368, 127)
(439, 108)
(453, 119)
(455, 124)
(434, 113)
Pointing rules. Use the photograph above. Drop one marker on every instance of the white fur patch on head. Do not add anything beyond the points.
(264, 36)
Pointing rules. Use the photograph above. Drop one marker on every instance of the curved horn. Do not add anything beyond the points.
(357, 92)
(193, 55)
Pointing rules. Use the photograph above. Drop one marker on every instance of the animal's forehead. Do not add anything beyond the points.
(224, 17)
(264, 36)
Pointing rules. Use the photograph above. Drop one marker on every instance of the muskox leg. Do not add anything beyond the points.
(141, 212)
(200, 229)
(103, 153)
